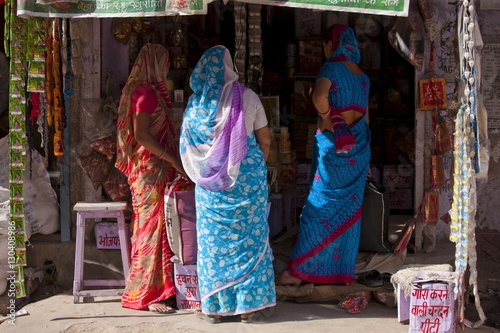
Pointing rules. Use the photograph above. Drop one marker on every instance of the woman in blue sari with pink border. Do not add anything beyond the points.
(326, 248)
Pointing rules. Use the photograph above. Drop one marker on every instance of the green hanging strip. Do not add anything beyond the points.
(36, 55)
(6, 31)
(17, 141)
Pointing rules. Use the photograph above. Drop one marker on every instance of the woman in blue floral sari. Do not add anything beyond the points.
(224, 144)
(327, 245)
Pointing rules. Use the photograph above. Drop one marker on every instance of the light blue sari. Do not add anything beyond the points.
(234, 257)
(234, 262)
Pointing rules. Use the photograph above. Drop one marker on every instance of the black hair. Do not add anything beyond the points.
(326, 36)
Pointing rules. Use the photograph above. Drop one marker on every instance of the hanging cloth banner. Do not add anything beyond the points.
(109, 8)
(379, 7)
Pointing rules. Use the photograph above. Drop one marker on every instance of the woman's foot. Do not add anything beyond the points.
(286, 278)
(160, 308)
(251, 317)
(210, 318)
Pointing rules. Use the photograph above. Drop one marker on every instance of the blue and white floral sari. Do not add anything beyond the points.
(234, 264)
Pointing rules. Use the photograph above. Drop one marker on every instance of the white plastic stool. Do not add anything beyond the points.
(86, 210)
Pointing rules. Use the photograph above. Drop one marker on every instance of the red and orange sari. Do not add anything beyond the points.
(150, 278)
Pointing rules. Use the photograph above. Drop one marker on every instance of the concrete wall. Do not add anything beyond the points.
(488, 197)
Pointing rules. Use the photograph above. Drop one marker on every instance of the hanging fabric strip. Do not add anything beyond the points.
(466, 154)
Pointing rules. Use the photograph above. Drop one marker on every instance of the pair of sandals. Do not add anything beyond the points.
(375, 279)
(252, 317)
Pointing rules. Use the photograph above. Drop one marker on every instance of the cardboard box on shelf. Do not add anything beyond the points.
(289, 172)
(287, 157)
(303, 171)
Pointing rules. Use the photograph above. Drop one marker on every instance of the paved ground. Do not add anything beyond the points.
(59, 314)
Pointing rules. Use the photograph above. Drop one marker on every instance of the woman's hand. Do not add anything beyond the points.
(177, 164)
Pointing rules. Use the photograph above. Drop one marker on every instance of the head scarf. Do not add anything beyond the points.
(150, 68)
(213, 137)
(344, 44)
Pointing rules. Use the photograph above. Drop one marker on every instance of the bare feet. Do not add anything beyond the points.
(286, 278)
(160, 308)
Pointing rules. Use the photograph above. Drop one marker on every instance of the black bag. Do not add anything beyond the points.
(375, 219)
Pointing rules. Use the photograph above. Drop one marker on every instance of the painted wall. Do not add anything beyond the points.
(488, 197)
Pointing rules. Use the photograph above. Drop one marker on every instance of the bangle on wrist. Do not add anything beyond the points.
(164, 152)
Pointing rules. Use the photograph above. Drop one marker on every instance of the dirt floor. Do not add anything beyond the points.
(488, 263)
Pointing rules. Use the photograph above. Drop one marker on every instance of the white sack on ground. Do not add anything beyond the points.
(41, 208)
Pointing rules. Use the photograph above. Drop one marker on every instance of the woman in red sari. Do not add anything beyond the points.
(148, 155)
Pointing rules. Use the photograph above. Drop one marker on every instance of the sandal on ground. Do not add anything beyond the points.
(386, 281)
(208, 318)
(370, 279)
(252, 317)
(286, 278)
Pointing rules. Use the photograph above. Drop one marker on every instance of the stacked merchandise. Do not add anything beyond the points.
(301, 136)
(291, 60)
(311, 132)
(274, 165)
(286, 154)
(288, 173)
(240, 52)
(282, 167)
(302, 187)
(254, 72)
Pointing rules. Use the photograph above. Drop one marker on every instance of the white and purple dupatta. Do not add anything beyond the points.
(213, 138)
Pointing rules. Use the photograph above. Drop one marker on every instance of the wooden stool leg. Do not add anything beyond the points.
(124, 245)
(79, 248)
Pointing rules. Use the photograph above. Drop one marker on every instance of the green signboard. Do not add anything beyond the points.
(138, 8)
(379, 7)
(109, 8)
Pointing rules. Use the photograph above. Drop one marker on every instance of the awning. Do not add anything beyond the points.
(109, 8)
(143, 8)
(379, 7)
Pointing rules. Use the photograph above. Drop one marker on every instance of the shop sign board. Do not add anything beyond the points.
(378, 7)
(109, 8)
